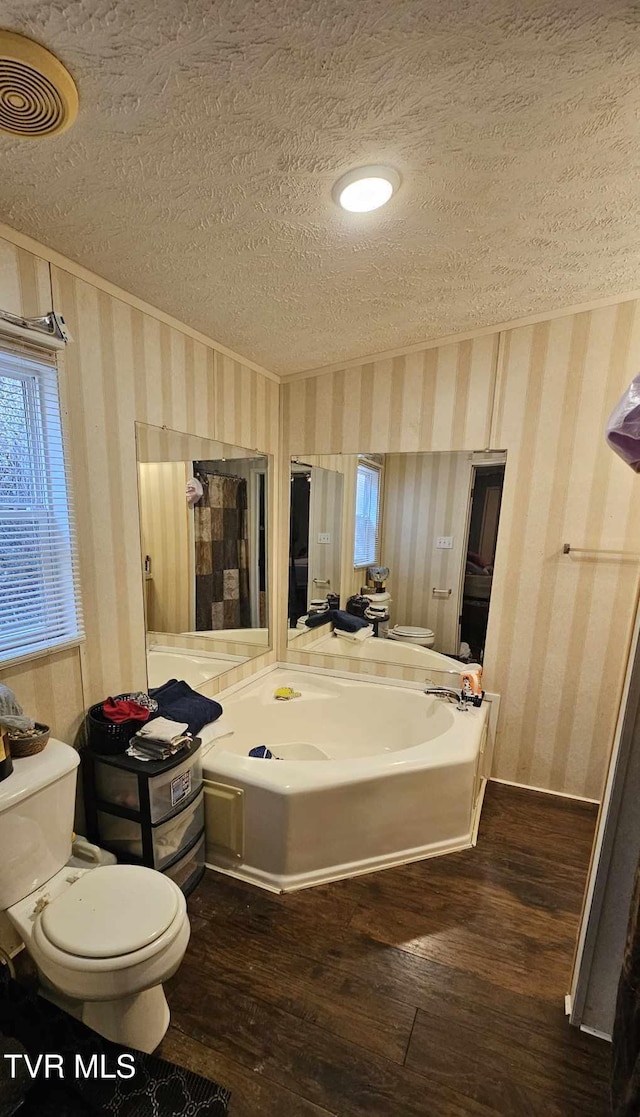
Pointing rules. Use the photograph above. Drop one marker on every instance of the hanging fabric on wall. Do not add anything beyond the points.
(222, 558)
(625, 1090)
(623, 426)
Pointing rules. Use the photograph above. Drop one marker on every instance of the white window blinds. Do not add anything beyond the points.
(39, 585)
(368, 494)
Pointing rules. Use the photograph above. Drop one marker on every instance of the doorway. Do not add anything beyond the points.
(487, 483)
(299, 543)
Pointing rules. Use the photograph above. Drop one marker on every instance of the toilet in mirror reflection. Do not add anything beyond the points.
(203, 528)
(432, 519)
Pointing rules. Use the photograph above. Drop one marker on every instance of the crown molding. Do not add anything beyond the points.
(21, 240)
(465, 335)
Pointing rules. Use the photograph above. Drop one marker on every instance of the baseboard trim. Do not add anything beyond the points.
(296, 882)
(595, 1032)
(546, 791)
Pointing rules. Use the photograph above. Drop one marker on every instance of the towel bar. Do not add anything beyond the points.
(567, 549)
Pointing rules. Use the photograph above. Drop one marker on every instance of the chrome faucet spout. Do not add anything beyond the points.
(457, 696)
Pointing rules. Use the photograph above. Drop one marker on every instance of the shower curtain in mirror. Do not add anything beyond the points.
(221, 543)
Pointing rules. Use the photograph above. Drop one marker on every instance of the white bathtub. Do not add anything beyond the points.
(194, 667)
(242, 635)
(382, 651)
(371, 775)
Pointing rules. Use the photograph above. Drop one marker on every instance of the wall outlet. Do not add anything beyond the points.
(444, 542)
(324, 537)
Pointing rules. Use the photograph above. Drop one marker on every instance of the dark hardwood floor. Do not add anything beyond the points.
(432, 990)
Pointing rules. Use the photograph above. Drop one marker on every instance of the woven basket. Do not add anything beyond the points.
(28, 746)
(108, 737)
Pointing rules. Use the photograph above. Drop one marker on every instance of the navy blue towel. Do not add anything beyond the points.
(178, 701)
(344, 621)
(316, 619)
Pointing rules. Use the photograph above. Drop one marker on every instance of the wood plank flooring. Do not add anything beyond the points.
(432, 990)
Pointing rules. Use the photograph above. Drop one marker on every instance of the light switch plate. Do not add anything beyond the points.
(444, 542)
(324, 537)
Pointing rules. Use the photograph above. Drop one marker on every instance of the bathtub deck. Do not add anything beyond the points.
(432, 990)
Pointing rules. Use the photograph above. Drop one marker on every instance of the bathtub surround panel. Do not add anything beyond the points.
(560, 625)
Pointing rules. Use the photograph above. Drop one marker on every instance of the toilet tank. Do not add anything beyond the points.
(36, 820)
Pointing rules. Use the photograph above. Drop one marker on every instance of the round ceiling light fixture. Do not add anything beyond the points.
(366, 188)
(38, 96)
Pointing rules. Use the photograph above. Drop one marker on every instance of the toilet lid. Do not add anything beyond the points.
(111, 910)
(412, 632)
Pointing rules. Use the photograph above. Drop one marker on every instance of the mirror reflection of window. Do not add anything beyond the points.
(368, 514)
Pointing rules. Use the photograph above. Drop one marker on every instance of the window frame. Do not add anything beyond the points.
(372, 467)
(50, 509)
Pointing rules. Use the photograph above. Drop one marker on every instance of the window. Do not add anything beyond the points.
(368, 494)
(39, 598)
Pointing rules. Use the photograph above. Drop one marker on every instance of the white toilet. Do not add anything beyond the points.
(104, 939)
(413, 634)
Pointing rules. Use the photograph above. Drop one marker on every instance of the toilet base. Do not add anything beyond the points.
(139, 1021)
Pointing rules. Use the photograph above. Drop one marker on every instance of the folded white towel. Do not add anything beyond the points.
(355, 637)
(162, 729)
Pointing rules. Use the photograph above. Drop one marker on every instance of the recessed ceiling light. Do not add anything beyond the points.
(366, 188)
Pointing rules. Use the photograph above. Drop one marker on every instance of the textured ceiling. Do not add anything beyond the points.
(198, 175)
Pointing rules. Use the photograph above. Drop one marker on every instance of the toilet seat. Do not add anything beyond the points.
(412, 634)
(114, 910)
(100, 926)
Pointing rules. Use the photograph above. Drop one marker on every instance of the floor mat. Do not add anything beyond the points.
(156, 1089)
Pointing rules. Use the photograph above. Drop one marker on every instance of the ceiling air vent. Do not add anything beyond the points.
(38, 96)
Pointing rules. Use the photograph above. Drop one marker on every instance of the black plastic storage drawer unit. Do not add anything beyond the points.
(149, 812)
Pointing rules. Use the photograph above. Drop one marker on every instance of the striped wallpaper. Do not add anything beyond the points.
(559, 625)
(167, 538)
(425, 495)
(49, 687)
(325, 515)
(437, 399)
(124, 365)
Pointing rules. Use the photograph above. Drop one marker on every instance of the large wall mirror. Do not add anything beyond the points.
(203, 530)
(404, 542)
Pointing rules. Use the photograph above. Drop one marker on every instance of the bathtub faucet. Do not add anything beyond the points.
(463, 702)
